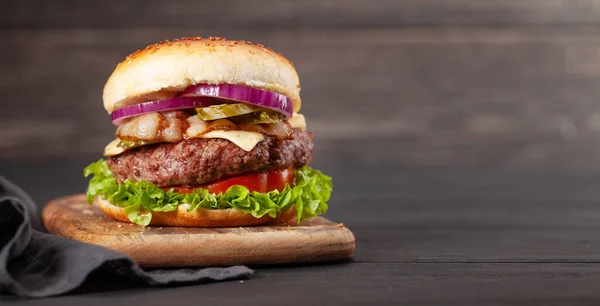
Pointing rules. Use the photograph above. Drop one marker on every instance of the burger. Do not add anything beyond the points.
(208, 134)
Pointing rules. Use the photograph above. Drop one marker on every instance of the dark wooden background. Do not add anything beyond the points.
(463, 136)
(431, 82)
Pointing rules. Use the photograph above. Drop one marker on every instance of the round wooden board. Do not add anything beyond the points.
(315, 240)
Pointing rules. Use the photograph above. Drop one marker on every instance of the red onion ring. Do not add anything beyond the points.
(245, 94)
(200, 96)
(119, 115)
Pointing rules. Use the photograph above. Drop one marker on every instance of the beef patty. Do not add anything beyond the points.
(201, 161)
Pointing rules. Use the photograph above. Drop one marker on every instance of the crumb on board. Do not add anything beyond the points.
(119, 226)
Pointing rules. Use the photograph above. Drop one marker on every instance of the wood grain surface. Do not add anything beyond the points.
(315, 240)
(421, 83)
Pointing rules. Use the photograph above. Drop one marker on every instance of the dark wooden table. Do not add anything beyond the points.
(463, 137)
(450, 236)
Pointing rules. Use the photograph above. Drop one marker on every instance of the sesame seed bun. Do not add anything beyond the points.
(162, 70)
(200, 217)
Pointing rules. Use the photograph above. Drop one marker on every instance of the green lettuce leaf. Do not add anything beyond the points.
(310, 193)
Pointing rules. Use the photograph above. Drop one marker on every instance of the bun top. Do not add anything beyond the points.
(162, 70)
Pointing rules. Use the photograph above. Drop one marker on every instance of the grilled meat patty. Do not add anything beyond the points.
(201, 161)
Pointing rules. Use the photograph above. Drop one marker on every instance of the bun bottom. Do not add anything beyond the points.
(200, 217)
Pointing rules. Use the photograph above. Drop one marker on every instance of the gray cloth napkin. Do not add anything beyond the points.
(37, 264)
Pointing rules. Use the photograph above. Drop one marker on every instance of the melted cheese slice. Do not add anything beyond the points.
(245, 140)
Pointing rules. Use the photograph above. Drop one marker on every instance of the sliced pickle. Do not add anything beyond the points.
(130, 144)
(259, 117)
(224, 111)
(239, 113)
(266, 117)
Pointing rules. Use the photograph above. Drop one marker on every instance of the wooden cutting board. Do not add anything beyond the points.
(315, 240)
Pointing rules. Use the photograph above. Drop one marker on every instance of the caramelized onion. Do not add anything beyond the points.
(174, 126)
(144, 127)
(196, 127)
(251, 128)
(281, 130)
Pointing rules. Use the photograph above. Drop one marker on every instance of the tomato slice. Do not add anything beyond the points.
(277, 179)
(261, 182)
(254, 182)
